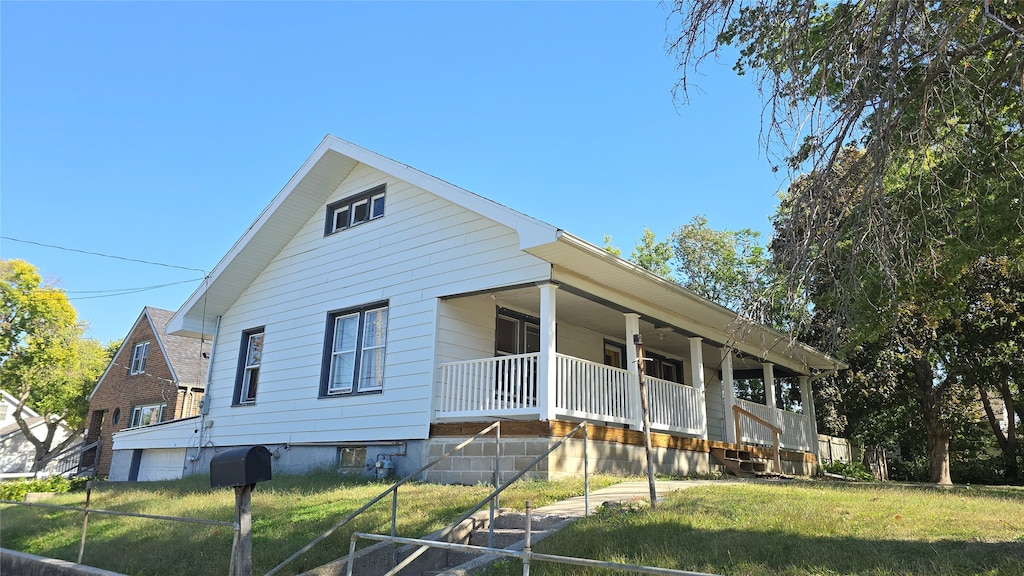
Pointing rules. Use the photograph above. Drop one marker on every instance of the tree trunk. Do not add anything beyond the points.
(937, 433)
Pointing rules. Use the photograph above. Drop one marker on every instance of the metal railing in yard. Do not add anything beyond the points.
(527, 555)
(493, 498)
(87, 510)
(393, 490)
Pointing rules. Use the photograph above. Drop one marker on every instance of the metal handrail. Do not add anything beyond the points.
(586, 483)
(527, 555)
(379, 497)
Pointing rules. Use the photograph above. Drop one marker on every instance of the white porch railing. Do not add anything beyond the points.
(675, 407)
(499, 386)
(794, 426)
(506, 386)
(592, 391)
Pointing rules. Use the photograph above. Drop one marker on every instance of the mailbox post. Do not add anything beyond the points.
(241, 468)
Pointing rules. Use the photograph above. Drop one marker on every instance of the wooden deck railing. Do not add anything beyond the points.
(739, 413)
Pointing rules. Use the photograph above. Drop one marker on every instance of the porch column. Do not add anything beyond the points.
(697, 376)
(729, 393)
(807, 399)
(546, 370)
(769, 384)
(633, 327)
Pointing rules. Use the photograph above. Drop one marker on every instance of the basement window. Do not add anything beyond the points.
(352, 459)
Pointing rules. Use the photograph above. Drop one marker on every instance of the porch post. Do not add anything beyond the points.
(769, 384)
(633, 327)
(546, 370)
(729, 393)
(807, 400)
(697, 376)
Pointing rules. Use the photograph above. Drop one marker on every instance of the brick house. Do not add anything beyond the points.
(153, 378)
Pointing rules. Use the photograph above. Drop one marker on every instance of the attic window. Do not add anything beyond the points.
(139, 353)
(355, 210)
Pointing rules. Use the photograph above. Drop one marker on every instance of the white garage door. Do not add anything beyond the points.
(161, 464)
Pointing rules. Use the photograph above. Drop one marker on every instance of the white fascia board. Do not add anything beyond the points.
(530, 230)
(178, 323)
(798, 349)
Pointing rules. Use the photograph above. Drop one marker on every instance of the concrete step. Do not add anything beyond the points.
(518, 520)
(503, 537)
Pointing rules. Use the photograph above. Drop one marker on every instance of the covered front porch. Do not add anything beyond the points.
(559, 351)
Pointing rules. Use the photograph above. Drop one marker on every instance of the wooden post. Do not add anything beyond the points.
(243, 516)
(638, 341)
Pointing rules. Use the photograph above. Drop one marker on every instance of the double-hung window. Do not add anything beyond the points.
(354, 351)
(146, 415)
(139, 353)
(355, 210)
(249, 359)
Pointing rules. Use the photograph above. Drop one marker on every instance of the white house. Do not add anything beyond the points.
(16, 452)
(373, 309)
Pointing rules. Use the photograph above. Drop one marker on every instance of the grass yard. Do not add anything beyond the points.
(804, 529)
(739, 529)
(288, 512)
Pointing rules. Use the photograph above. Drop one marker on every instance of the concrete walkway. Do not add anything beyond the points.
(622, 492)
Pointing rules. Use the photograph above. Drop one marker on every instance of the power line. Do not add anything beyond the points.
(123, 291)
(102, 255)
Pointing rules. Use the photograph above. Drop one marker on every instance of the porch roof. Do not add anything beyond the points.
(629, 287)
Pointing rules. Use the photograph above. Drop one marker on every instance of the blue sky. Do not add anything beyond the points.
(159, 131)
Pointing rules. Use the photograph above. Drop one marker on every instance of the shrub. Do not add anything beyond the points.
(16, 489)
(854, 470)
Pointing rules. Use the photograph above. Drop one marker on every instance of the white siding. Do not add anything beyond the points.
(422, 249)
(714, 403)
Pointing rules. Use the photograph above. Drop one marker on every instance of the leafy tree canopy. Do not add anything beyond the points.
(44, 361)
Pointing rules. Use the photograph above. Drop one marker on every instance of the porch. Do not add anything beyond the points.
(506, 387)
(564, 351)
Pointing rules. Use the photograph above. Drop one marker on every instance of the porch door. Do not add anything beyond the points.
(516, 379)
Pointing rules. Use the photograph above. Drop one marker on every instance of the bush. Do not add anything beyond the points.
(854, 470)
(16, 489)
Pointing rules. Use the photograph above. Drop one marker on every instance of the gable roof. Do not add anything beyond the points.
(303, 195)
(184, 355)
(332, 162)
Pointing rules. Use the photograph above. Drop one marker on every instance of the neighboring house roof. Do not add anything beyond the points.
(15, 429)
(180, 351)
(334, 159)
(10, 399)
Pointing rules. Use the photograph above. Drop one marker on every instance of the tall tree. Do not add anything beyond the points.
(987, 344)
(44, 361)
(930, 94)
(932, 89)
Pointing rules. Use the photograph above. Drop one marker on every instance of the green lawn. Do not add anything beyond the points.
(288, 512)
(800, 529)
(804, 529)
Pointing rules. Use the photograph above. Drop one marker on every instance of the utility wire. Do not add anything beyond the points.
(103, 255)
(123, 291)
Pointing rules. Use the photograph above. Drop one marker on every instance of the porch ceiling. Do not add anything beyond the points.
(590, 312)
(578, 265)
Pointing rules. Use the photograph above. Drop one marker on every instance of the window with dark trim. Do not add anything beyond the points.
(515, 333)
(614, 354)
(250, 357)
(139, 353)
(354, 349)
(658, 366)
(355, 210)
